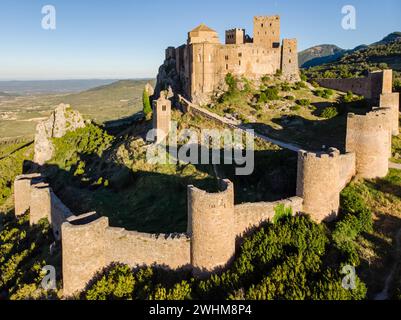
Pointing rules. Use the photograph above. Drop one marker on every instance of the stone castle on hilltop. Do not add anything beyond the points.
(215, 222)
(197, 69)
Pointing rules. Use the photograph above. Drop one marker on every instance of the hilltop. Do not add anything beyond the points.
(385, 54)
(329, 53)
(319, 55)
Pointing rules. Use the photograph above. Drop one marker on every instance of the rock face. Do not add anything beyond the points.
(61, 121)
(149, 89)
(167, 78)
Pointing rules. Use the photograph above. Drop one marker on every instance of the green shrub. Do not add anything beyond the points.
(285, 87)
(349, 97)
(231, 82)
(262, 98)
(272, 94)
(147, 108)
(24, 251)
(290, 98)
(281, 212)
(356, 219)
(303, 102)
(329, 112)
(300, 85)
(265, 78)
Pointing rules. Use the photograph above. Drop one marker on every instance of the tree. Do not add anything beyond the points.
(147, 109)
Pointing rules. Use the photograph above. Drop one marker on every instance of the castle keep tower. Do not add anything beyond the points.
(266, 32)
(211, 225)
(369, 137)
(161, 117)
(318, 183)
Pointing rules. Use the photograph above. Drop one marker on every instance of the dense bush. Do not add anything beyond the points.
(24, 250)
(325, 93)
(356, 219)
(303, 102)
(300, 85)
(271, 94)
(329, 112)
(231, 82)
(12, 157)
(147, 108)
(74, 146)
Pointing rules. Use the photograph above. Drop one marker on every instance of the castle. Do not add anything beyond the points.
(197, 69)
(215, 222)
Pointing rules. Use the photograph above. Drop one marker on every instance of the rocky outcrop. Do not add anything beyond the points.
(61, 121)
(149, 89)
(167, 78)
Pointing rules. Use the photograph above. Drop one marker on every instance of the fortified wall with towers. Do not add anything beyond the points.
(197, 69)
(215, 222)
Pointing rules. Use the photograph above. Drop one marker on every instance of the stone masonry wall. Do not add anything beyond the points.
(371, 87)
(251, 215)
(88, 248)
(33, 194)
(40, 206)
(347, 169)
(392, 101)
(22, 193)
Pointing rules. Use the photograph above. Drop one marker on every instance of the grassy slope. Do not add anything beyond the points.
(289, 120)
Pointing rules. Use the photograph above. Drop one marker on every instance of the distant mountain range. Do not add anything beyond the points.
(327, 53)
(34, 87)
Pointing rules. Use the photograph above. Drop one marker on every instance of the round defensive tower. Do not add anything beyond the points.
(211, 225)
(369, 137)
(318, 183)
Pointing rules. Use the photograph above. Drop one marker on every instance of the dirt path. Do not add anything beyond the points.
(384, 294)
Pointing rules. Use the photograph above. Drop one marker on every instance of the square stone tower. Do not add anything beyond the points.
(289, 59)
(235, 36)
(161, 117)
(266, 31)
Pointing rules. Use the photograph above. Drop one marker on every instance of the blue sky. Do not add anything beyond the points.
(127, 38)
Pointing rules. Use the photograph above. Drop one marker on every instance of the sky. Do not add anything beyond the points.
(122, 39)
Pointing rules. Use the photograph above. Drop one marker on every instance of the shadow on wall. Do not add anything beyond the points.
(157, 203)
